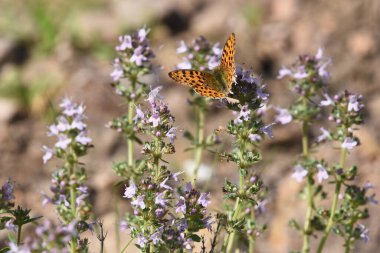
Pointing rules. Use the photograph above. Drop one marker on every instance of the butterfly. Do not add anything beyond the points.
(214, 84)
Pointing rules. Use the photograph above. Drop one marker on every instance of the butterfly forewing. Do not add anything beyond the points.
(228, 60)
(201, 82)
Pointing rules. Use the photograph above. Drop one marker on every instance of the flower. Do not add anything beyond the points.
(204, 199)
(349, 143)
(118, 70)
(7, 191)
(139, 202)
(328, 101)
(325, 135)
(171, 134)
(254, 137)
(182, 47)
(284, 72)
(48, 154)
(10, 226)
(268, 130)
(160, 200)
(364, 233)
(131, 190)
(83, 139)
(164, 185)
(141, 241)
(63, 141)
(181, 205)
(243, 115)
(139, 114)
(353, 103)
(299, 173)
(322, 173)
(283, 116)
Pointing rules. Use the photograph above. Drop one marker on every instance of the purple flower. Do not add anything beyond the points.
(353, 103)
(14, 248)
(83, 139)
(138, 57)
(171, 134)
(153, 95)
(141, 241)
(284, 72)
(204, 199)
(142, 33)
(160, 199)
(243, 115)
(372, 199)
(126, 42)
(48, 154)
(63, 141)
(10, 226)
(261, 206)
(154, 119)
(182, 47)
(349, 143)
(131, 190)
(300, 73)
(123, 225)
(216, 49)
(268, 130)
(118, 71)
(156, 237)
(208, 221)
(164, 185)
(260, 92)
(181, 205)
(364, 233)
(328, 101)
(78, 123)
(283, 116)
(299, 173)
(254, 137)
(184, 65)
(7, 190)
(139, 202)
(62, 125)
(139, 114)
(175, 175)
(53, 130)
(325, 135)
(322, 173)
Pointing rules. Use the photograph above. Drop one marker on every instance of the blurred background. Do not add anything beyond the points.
(51, 49)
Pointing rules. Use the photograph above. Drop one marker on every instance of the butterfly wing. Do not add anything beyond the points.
(198, 80)
(228, 60)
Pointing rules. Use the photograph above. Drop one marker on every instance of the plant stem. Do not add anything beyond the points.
(19, 235)
(200, 111)
(237, 208)
(252, 236)
(309, 188)
(330, 222)
(129, 140)
(71, 167)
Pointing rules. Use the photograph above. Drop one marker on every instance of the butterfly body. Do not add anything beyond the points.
(216, 83)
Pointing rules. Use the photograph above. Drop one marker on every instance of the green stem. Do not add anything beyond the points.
(309, 188)
(129, 140)
(330, 222)
(126, 246)
(19, 235)
(252, 236)
(347, 245)
(199, 140)
(237, 209)
(71, 167)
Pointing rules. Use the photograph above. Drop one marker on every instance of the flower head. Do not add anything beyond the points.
(299, 173)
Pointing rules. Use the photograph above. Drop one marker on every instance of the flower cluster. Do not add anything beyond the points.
(49, 238)
(175, 215)
(200, 54)
(308, 69)
(134, 55)
(71, 133)
(6, 196)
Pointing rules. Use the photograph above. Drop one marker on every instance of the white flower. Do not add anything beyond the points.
(322, 173)
(349, 143)
(299, 173)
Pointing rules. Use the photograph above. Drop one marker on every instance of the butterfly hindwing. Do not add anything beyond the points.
(228, 60)
(200, 81)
